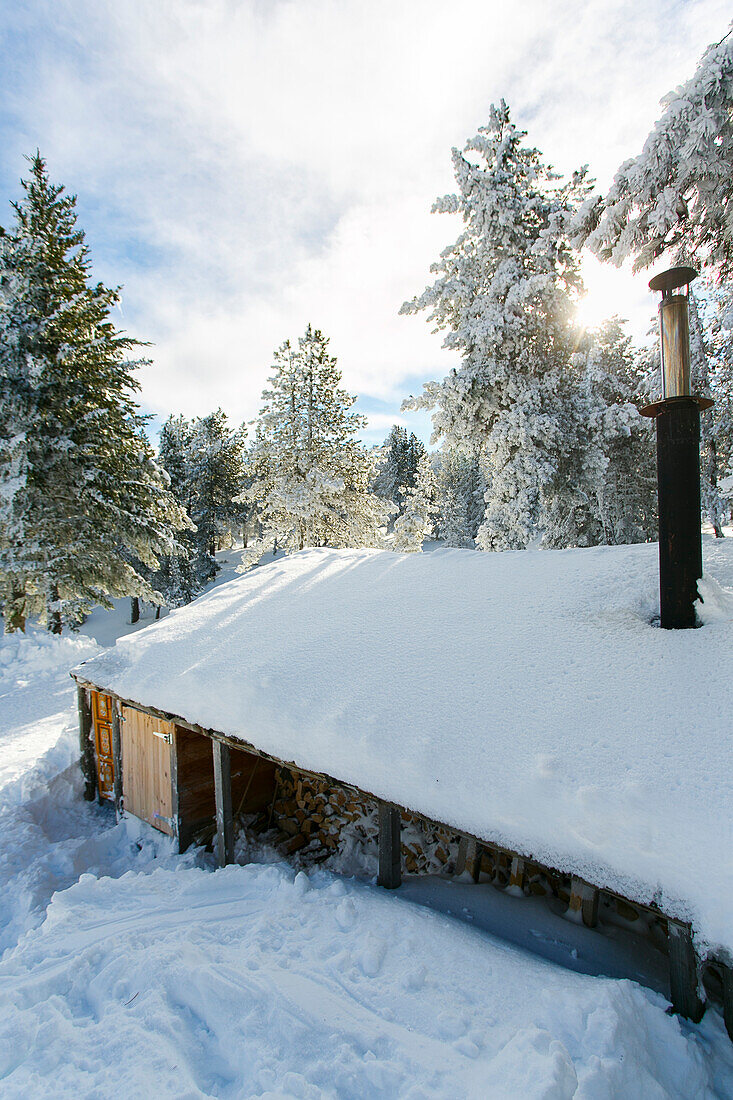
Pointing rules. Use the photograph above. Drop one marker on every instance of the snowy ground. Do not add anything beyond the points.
(130, 971)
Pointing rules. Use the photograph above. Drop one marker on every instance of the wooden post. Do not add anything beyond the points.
(86, 744)
(726, 974)
(175, 793)
(475, 857)
(390, 853)
(516, 876)
(462, 853)
(223, 792)
(683, 972)
(583, 904)
(117, 757)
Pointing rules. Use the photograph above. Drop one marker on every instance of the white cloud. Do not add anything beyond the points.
(245, 167)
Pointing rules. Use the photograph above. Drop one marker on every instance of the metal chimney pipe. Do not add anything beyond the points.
(674, 338)
(677, 417)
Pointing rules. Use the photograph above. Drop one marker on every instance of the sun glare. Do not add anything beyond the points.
(609, 291)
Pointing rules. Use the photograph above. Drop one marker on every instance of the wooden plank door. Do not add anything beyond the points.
(147, 752)
(102, 717)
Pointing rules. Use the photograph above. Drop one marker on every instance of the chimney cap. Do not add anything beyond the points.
(672, 278)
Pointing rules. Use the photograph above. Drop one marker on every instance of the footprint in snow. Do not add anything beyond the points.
(345, 915)
(372, 956)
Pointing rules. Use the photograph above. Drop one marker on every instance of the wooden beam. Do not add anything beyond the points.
(726, 974)
(86, 744)
(117, 758)
(390, 852)
(223, 794)
(583, 905)
(683, 979)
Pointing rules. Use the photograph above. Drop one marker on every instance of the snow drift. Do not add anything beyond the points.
(255, 982)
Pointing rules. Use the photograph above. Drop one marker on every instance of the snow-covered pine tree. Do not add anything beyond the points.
(459, 497)
(216, 471)
(312, 476)
(416, 522)
(614, 471)
(504, 296)
(711, 421)
(676, 196)
(81, 495)
(398, 463)
(721, 353)
(176, 578)
(204, 459)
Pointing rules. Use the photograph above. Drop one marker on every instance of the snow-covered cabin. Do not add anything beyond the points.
(526, 701)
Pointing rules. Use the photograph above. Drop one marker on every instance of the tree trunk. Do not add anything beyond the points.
(54, 612)
(134, 609)
(14, 611)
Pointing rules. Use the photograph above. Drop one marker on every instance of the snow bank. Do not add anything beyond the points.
(261, 983)
(526, 697)
(49, 835)
(38, 735)
(25, 656)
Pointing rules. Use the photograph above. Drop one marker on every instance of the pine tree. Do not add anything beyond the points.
(204, 459)
(417, 519)
(459, 496)
(721, 354)
(81, 496)
(710, 423)
(177, 577)
(504, 296)
(398, 465)
(676, 196)
(311, 474)
(615, 476)
(216, 470)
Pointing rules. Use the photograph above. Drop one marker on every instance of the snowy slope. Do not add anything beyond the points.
(256, 982)
(525, 697)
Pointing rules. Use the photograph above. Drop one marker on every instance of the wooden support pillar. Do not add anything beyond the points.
(223, 793)
(86, 744)
(583, 904)
(117, 757)
(469, 857)
(390, 852)
(517, 876)
(683, 972)
(476, 856)
(726, 974)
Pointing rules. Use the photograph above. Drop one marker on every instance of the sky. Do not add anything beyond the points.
(245, 167)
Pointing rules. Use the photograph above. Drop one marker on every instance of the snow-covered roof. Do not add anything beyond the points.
(524, 697)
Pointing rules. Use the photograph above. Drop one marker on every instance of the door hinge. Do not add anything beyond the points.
(170, 821)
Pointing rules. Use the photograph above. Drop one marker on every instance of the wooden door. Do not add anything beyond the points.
(147, 749)
(102, 716)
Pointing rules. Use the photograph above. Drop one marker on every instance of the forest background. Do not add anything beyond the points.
(540, 442)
